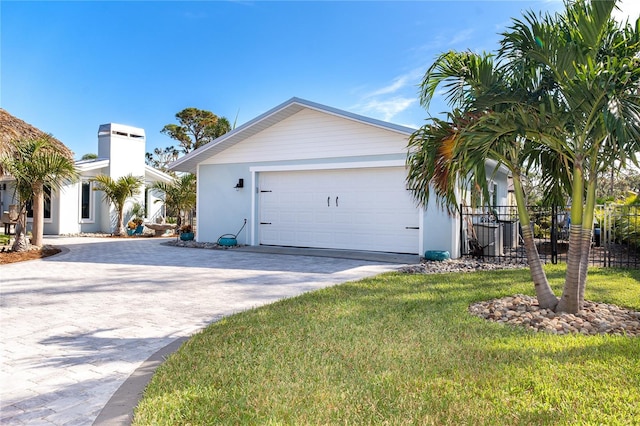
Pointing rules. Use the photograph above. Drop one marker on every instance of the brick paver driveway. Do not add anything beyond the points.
(76, 325)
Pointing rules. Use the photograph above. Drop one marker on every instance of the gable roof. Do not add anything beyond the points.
(91, 164)
(100, 163)
(189, 162)
(156, 175)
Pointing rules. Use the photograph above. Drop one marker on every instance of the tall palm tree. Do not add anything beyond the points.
(34, 164)
(564, 100)
(592, 64)
(484, 125)
(179, 195)
(117, 192)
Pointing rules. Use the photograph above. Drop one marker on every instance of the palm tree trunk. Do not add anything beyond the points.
(546, 298)
(586, 235)
(38, 215)
(120, 223)
(569, 301)
(586, 238)
(21, 243)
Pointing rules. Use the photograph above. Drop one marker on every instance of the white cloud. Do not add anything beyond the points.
(388, 108)
(397, 84)
(388, 101)
(410, 78)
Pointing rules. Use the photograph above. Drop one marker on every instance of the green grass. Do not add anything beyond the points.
(4, 239)
(401, 349)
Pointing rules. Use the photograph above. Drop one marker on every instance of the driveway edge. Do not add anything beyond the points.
(119, 409)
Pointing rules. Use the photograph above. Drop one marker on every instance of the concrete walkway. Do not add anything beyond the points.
(76, 325)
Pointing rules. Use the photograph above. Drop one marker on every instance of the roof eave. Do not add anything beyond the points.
(189, 162)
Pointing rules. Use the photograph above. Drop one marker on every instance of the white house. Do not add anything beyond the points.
(308, 175)
(77, 208)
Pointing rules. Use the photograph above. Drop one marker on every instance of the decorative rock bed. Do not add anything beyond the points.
(524, 311)
(195, 244)
(594, 318)
(459, 265)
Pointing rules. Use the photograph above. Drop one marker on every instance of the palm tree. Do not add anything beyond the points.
(117, 192)
(179, 195)
(34, 164)
(484, 125)
(564, 100)
(592, 64)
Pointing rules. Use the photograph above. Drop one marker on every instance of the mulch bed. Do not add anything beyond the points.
(34, 253)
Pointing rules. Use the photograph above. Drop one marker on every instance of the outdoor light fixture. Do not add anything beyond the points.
(240, 184)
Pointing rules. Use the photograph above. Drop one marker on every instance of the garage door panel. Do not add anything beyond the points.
(362, 209)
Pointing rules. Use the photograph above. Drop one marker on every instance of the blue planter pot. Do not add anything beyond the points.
(187, 236)
(227, 241)
(437, 255)
(130, 232)
(139, 229)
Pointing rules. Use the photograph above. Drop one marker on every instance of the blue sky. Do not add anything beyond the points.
(67, 67)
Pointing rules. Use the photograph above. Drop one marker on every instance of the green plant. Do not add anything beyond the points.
(138, 211)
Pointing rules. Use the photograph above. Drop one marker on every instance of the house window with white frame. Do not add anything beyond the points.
(46, 205)
(86, 201)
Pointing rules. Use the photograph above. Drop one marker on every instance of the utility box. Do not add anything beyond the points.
(490, 238)
(510, 233)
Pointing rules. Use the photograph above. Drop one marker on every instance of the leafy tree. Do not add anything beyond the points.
(196, 128)
(179, 196)
(117, 192)
(161, 158)
(617, 185)
(89, 156)
(563, 101)
(34, 164)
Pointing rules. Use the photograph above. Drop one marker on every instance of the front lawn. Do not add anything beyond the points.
(401, 349)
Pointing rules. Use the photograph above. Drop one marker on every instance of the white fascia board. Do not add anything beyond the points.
(88, 165)
(156, 175)
(328, 166)
(189, 162)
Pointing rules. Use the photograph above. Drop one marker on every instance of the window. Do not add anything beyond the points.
(86, 201)
(147, 200)
(47, 204)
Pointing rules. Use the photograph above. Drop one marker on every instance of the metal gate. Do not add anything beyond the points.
(495, 234)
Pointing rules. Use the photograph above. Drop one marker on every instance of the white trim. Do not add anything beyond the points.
(329, 166)
(198, 192)
(254, 191)
(88, 165)
(157, 175)
(421, 231)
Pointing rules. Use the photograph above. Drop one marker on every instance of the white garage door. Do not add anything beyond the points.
(357, 209)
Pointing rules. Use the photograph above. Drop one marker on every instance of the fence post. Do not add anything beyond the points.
(554, 234)
(462, 238)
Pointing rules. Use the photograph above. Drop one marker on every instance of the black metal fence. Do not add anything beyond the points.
(496, 234)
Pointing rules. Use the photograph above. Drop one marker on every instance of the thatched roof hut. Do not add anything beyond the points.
(12, 128)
